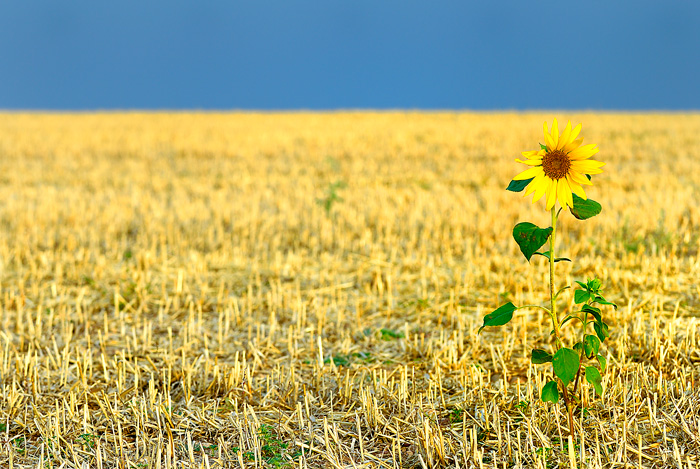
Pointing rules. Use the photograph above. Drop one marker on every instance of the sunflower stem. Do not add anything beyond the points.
(552, 296)
(553, 312)
(584, 325)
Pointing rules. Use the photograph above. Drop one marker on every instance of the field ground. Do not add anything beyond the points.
(305, 290)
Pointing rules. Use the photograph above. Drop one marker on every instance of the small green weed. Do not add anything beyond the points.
(455, 415)
(546, 452)
(350, 358)
(522, 406)
(274, 451)
(87, 439)
(331, 196)
(388, 334)
(19, 444)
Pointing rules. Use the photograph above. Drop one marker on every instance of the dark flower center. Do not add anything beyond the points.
(556, 164)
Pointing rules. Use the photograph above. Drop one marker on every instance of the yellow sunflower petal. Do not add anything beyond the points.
(584, 152)
(551, 195)
(530, 154)
(532, 162)
(587, 166)
(534, 184)
(580, 178)
(541, 188)
(564, 193)
(565, 139)
(573, 145)
(577, 174)
(575, 132)
(548, 139)
(576, 187)
(528, 173)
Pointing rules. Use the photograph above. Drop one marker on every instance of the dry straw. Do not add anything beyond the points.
(178, 291)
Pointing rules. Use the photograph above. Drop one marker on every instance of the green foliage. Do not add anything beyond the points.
(455, 415)
(593, 377)
(530, 237)
(518, 186)
(273, 449)
(557, 259)
(591, 344)
(522, 406)
(87, 280)
(602, 301)
(566, 363)
(350, 358)
(500, 316)
(19, 444)
(585, 208)
(590, 293)
(601, 330)
(203, 449)
(592, 310)
(331, 196)
(275, 452)
(550, 392)
(540, 356)
(569, 318)
(581, 296)
(87, 439)
(602, 362)
(388, 334)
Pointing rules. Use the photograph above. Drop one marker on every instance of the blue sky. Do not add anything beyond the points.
(349, 54)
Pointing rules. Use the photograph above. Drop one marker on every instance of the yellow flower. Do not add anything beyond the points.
(561, 168)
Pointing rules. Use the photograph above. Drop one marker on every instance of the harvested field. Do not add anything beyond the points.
(304, 290)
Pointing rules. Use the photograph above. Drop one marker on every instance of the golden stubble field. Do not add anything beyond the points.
(304, 290)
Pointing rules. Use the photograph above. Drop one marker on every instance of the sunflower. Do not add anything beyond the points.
(560, 168)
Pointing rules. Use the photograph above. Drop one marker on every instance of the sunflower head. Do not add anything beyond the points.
(560, 168)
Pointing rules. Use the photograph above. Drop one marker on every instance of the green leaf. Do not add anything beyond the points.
(581, 296)
(569, 318)
(583, 285)
(540, 356)
(591, 345)
(530, 238)
(550, 393)
(556, 259)
(602, 301)
(543, 147)
(565, 364)
(584, 209)
(602, 362)
(388, 334)
(500, 316)
(594, 285)
(593, 377)
(601, 330)
(518, 186)
(592, 310)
